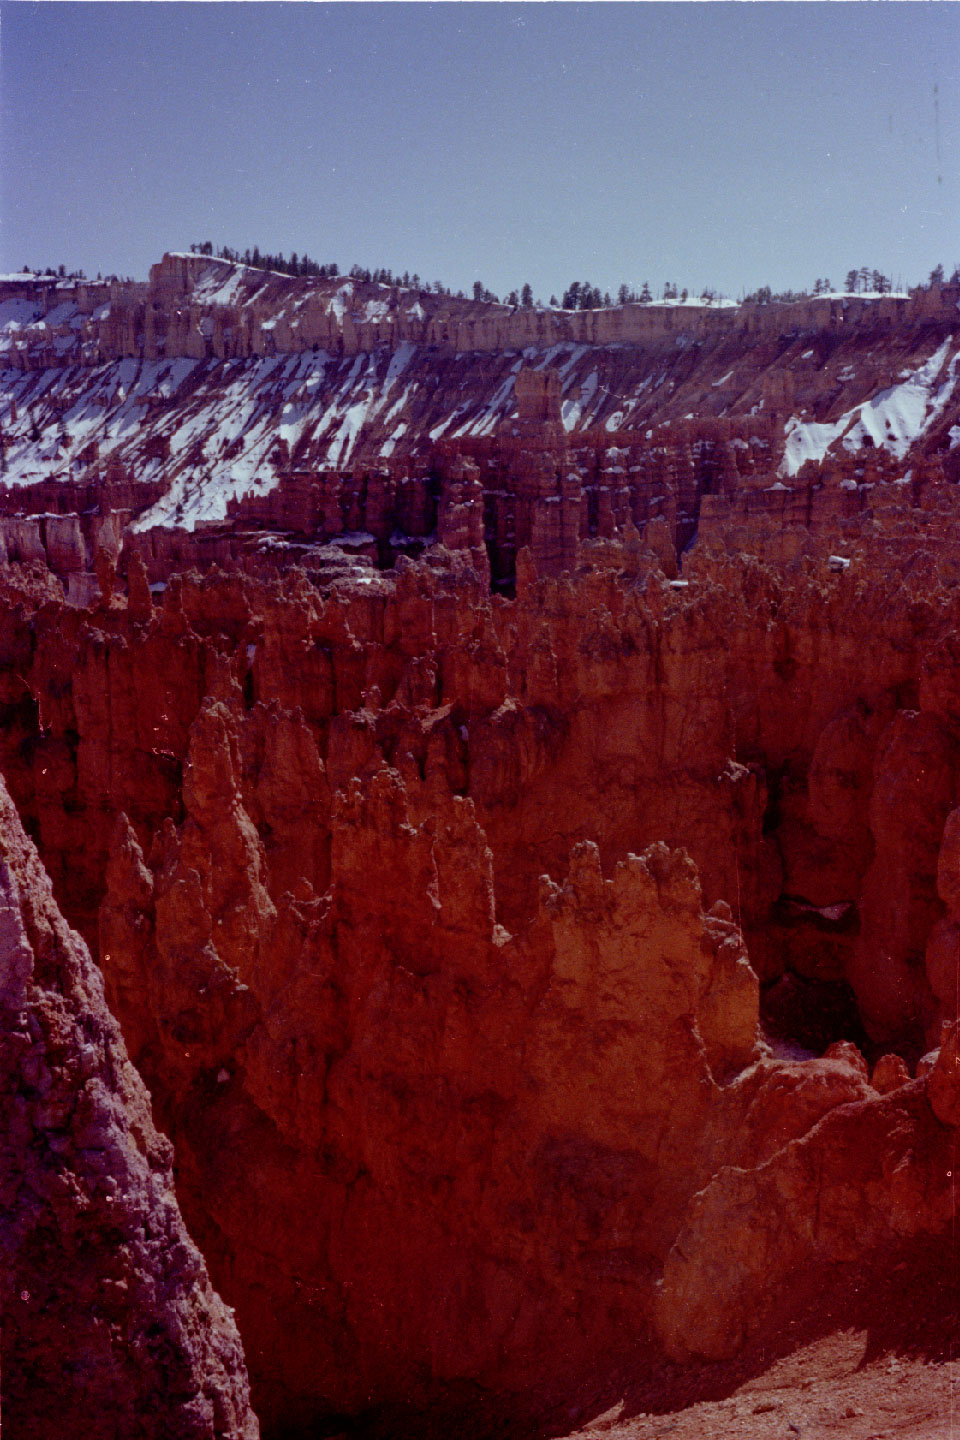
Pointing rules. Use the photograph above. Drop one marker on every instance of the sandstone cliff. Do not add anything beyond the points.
(507, 766)
(306, 828)
(214, 383)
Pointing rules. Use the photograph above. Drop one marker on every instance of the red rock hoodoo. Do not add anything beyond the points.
(511, 786)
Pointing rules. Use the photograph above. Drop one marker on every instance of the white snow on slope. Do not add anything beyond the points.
(573, 410)
(61, 314)
(893, 418)
(339, 300)
(216, 288)
(496, 410)
(18, 312)
(862, 295)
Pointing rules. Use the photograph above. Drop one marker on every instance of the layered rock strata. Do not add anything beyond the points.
(215, 384)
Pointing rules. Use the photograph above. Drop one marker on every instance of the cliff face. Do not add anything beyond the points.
(110, 1325)
(438, 1120)
(523, 864)
(199, 307)
(215, 383)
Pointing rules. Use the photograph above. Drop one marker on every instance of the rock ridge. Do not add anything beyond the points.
(110, 1324)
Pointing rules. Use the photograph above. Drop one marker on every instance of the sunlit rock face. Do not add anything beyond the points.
(215, 384)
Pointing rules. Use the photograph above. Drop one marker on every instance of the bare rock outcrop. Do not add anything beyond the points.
(433, 1082)
(855, 1190)
(308, 826)
(110, 1324)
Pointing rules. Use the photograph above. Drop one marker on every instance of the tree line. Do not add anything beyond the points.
(579, 294)
(60, 273)
(296, 265)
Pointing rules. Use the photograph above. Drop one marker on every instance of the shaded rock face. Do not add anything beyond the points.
(110, 1324)
(870, 1177)
(411, 1091)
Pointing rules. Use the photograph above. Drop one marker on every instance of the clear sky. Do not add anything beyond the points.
(729, 145)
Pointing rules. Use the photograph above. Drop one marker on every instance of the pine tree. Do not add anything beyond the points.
(850, 285)
(526, 297)
(645, 296)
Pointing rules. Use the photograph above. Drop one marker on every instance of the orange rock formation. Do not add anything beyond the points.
(518, 823)
(473, 1116)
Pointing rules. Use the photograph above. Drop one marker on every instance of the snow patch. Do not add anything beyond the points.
(217, 287)
(19, 311)
(893, 419)
(337, 305)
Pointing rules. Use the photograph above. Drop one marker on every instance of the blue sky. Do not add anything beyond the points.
(729, 145)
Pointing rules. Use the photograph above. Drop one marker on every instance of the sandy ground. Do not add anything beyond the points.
(863, 1356)
(829, 1388)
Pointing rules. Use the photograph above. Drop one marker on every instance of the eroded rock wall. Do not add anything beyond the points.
(441, 1121)
(771, 727)
(217, 383)
(110, 1324)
